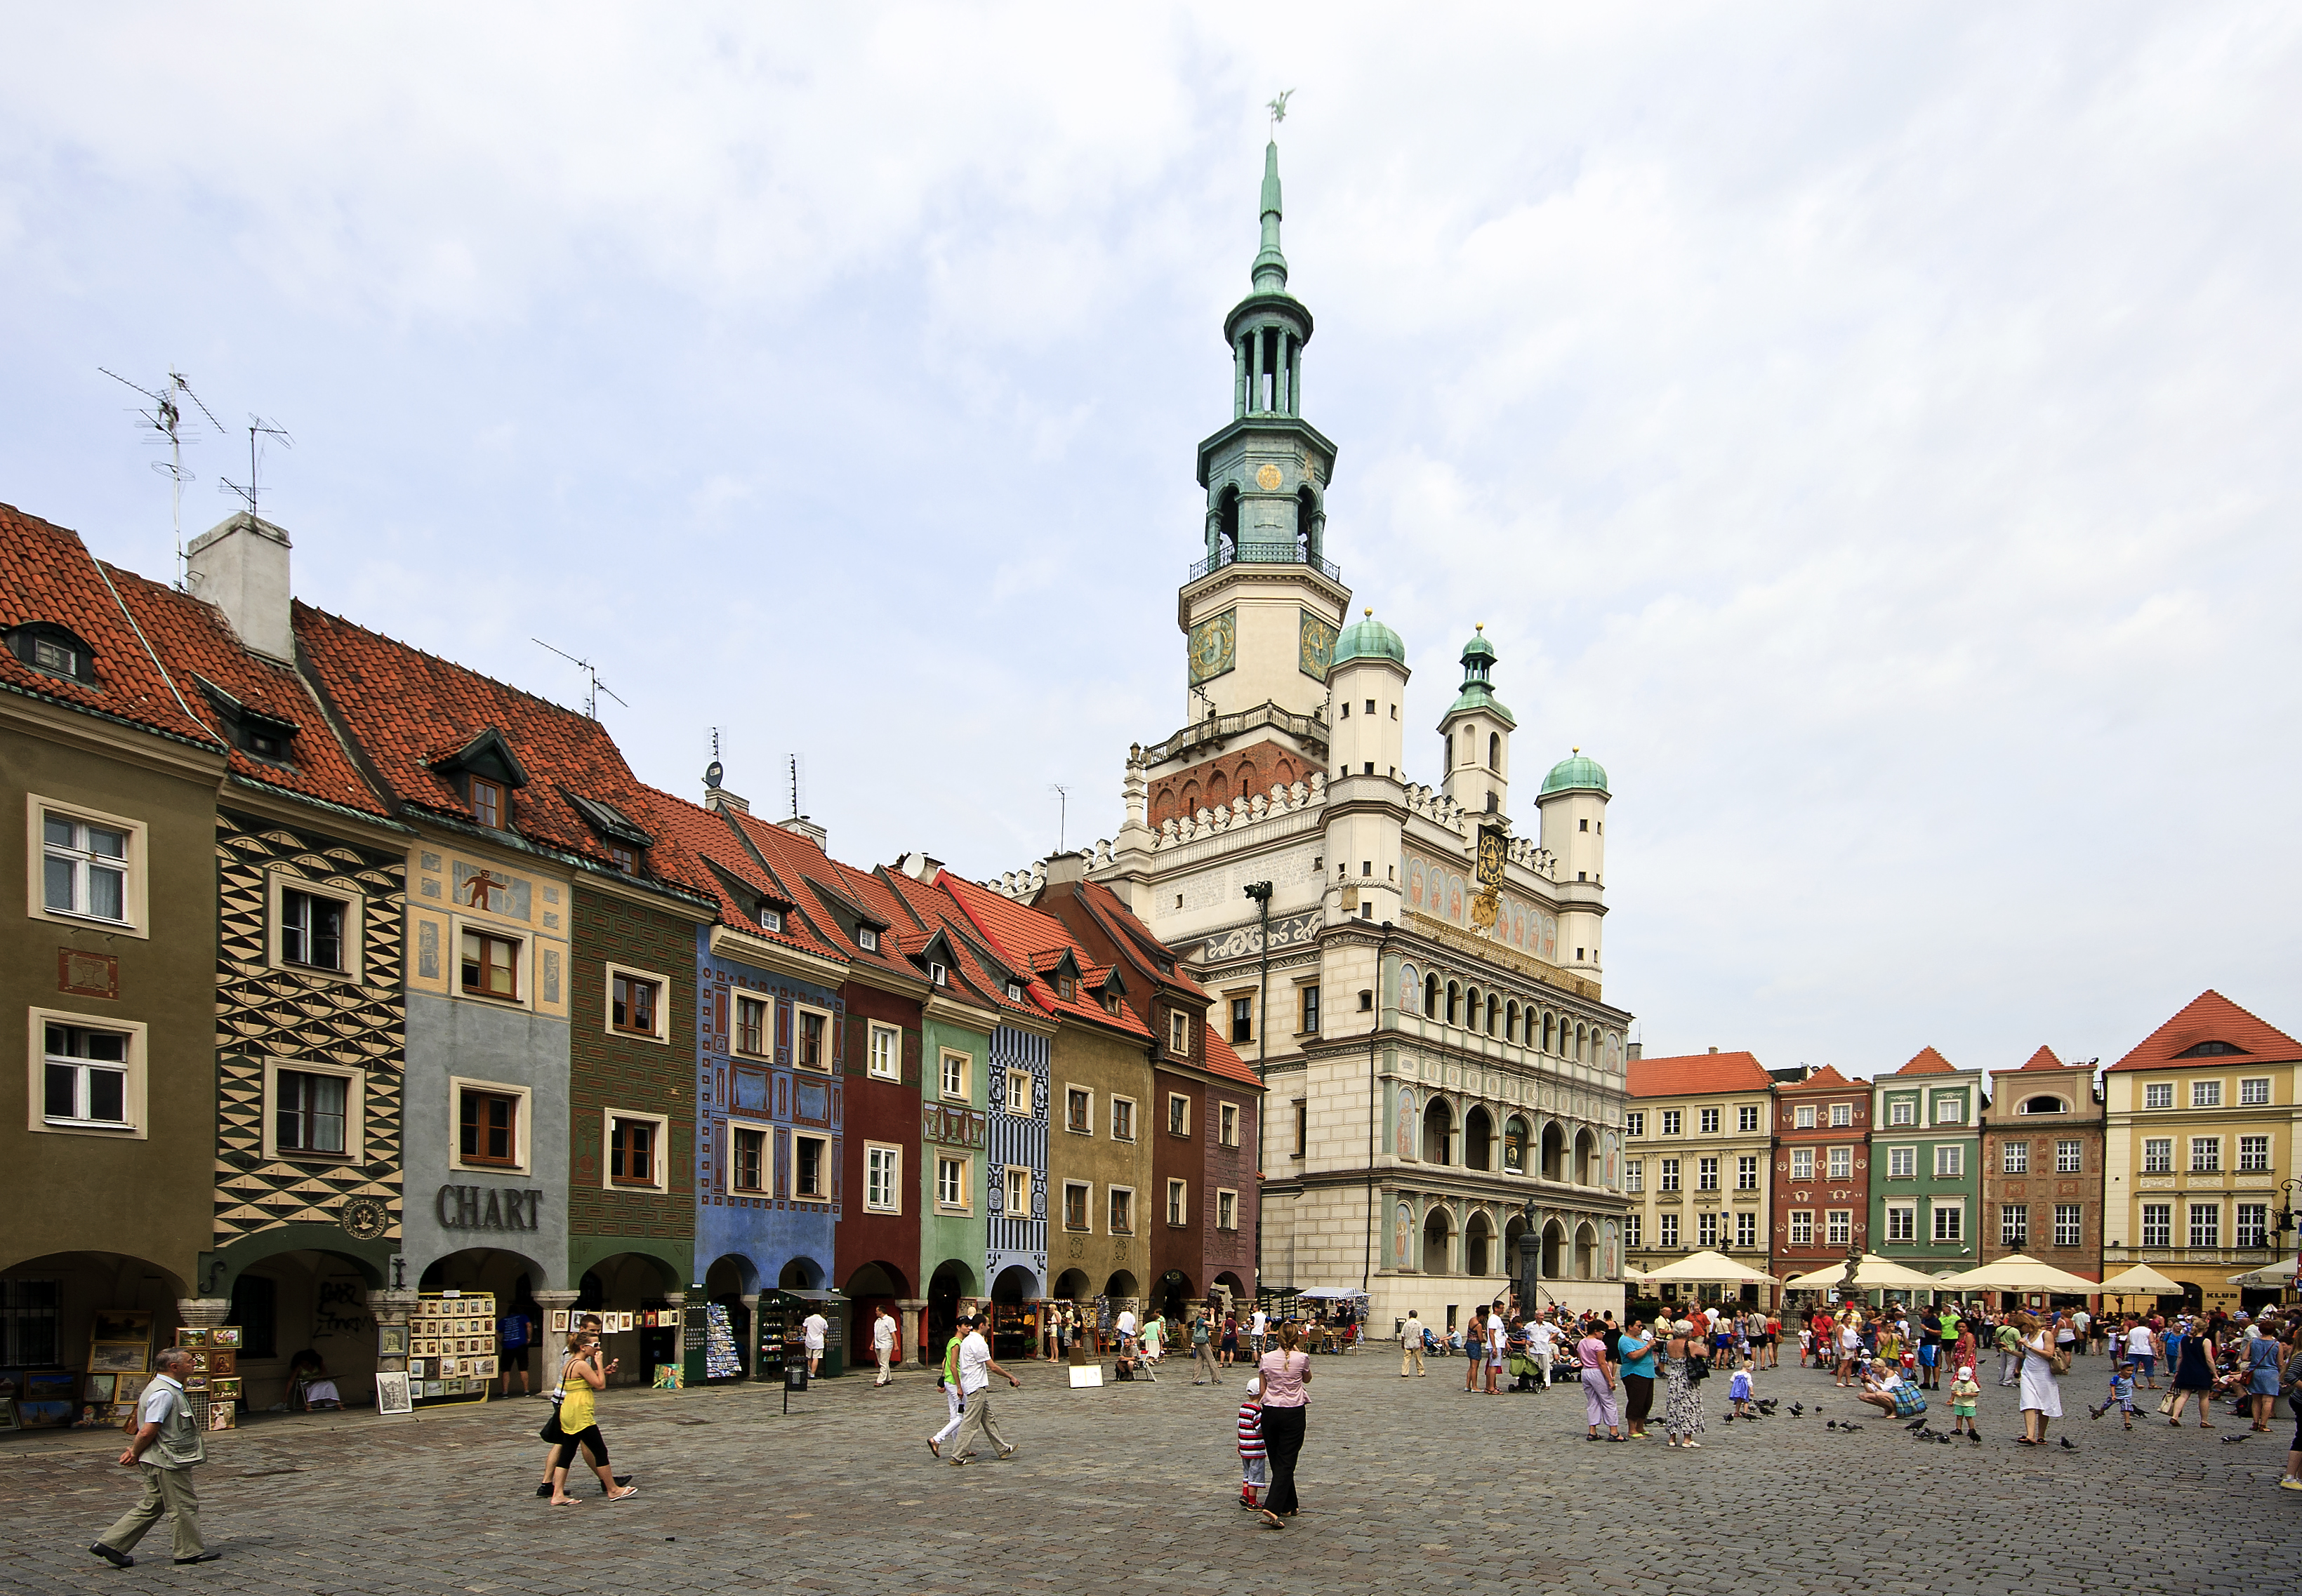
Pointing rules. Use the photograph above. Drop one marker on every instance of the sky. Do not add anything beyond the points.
(1868, 430)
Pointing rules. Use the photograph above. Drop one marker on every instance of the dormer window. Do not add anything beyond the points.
(1111, 1002)
(1064, 987)
(50, 649)
(488, 802)
(1015, 992)
(264, 740)
(621, 858)
(267, 737)
(867, 939)
(937, 974)
(770, 919)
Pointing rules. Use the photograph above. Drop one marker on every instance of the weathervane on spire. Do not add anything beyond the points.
(1279, 110)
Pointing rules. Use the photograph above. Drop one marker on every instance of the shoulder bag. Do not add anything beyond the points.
(551, 1430)
(2061, 1359)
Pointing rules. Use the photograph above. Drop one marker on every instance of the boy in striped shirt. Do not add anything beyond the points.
(1254, 1460)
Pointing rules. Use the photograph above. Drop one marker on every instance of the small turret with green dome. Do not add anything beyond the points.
(1575, 773)
(1369, 638)
(1478, 692)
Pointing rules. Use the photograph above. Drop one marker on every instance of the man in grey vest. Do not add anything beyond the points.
(167, 1446)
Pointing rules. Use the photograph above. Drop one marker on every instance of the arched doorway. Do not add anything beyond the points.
(1587, 1252)
(869, 1288)
(1554, 1251)
(1437, 1132)
(1514, 1232)
(731, 1278)
(1586, 1156)
(951, 1280)
(634, 1283)
(1074, 1286)
(1478, 1139)
(1436, 1235)
(1015, 1314)
(1554, 1153)
(800, 1274)
(1478, 1237)
(1172, 1296)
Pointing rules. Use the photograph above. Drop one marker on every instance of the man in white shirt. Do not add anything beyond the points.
(975, 1371)
(810, 1329)
(1125, 1325)
(1256, 1330)
(1410, 1343)
(1544, 1335)
(167, 1446)
(883, 1342)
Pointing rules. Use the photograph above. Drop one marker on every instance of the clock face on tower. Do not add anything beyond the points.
(1214, 646)
(1318, 646)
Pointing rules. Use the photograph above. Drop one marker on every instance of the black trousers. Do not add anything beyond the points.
(1641, 1390)
(1282, 1436)
(590, 1440)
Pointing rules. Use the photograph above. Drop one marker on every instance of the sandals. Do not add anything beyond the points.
(626, 1494)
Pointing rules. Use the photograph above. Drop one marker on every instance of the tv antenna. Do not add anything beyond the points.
(258, 430)
(798, 767)
(171, 429)
(1063, 811)
(591, 695)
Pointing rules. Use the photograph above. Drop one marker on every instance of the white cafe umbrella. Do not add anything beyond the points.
(2018, 1272)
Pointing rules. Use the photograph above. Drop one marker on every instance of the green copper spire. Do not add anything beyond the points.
(1269, 265)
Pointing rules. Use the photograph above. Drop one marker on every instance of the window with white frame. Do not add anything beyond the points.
(1950, 1221)
(1079, 1109)
(886, 1052)
(2158, 1094)
(1669, 1174)
(1226, 1210)
(1671, 1121)
(1950, 1108)
(1632, 1231)
(2254, 1092)
(1634, 1123)
(2206, 1154)
(811, 1040)
(951, 1076)
(1018, 1096)
(2069, 1224)
(1746, 1231)
(1842, 1114)
(1902, 1111)
(951, 1182)
(1227, 1124)
(1179, 1033)
(1746, 1119)
(1706, 1229)
(91, 866)
(314, 1111)
(1837, 1226)
(313, 931)
(2014, 1158)
(1016, 1200)
(747, 1159)
(1122, 1210)
(2253, 1226)
(2014, 1225)
(1950, 1161)
(811, 1167)
(491, 1125)
(638, 1148)
(1801, 1163)
(1706, 1174)
(1667, 1229)
(635, 1006)
(2205, 1225)
(2205, 1093)
(883, 1178)
(1178, 1198)
(2157, 1224)
(2157, 1154)
(1902, 1221)
(1078, 1199)
(88, 1074)
(1842, 1163)
(1801, 1227)
(1707, 1122)
(753, 1037)
(2070, 1156)
(1122, 1119)
(1803, 1118)
(1902, 1164)
(1634, 1174)
(2252, 1154)
(1178, 1114)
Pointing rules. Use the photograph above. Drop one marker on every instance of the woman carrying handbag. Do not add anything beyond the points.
(577, 1421)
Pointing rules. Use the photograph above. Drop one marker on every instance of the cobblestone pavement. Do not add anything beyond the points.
(1408, 1486)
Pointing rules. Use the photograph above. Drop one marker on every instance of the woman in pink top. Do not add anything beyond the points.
(1285, 1373)
(1598, 1387)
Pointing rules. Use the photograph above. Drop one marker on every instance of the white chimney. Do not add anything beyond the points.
(240, 566)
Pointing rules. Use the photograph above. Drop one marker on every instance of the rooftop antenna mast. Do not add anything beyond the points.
(591, 696)
(258, 429)
(167, 422)
(1063, 811)
(798, 787)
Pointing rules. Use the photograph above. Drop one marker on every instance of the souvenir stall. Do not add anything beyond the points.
(453, 1354)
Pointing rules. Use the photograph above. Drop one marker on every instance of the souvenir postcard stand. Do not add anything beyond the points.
(453, 1347)
(212, 1385)
(119, 1352)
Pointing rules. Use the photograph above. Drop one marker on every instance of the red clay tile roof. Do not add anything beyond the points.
(1698, 1072)
(1120, 922)
(938, 908)
(46, 574)
(195, 642)
(401, 705)
(1222, 1058)
(2209, 1017)
(2044, 1059)
(1825, 1079)
(1928, 1062)
(1022, 936)
(709, 836)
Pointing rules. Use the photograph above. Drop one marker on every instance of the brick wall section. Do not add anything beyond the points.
(608, 1071)
(1226, 779)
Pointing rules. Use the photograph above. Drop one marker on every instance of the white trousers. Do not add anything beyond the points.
(950, 1400)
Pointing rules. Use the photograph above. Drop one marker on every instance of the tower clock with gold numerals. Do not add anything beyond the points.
(1214, 646)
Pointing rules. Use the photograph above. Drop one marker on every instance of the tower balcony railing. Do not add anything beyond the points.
(1267, 554)
(1310, 730)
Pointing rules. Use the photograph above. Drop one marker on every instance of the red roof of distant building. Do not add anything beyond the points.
(2044, 1059)
(46, 574)
(1928, 1062)
(2209, 1017)
(709, 836)
(1826, 1078)
(1698, 1072)
(1022, 936)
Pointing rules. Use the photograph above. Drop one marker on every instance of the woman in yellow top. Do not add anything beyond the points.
(581, 1374)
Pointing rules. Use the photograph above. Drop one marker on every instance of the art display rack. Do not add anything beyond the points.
(453, 1349)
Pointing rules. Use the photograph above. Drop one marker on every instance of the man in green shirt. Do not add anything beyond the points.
(950, 1383)
(167, 1446)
